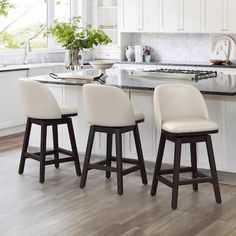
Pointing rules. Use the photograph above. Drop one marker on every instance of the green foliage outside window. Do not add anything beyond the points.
(5, 6)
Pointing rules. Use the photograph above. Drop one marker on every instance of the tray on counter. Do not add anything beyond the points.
(87, 75)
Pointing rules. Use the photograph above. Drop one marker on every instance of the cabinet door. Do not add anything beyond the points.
(12, 114)
(190, 15)
(213, 16)
(148, 16)
(130, 14)
(231, 16)
(169, 15)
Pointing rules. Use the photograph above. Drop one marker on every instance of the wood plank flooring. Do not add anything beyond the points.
(60, 207)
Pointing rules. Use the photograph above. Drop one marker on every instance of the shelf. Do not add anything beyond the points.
(109, 29)
(108, 7)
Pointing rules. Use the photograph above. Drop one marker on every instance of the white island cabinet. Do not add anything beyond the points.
(222, 109)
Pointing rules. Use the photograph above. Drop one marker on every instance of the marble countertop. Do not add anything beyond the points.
(221, 85)
(5, 68)
(180, 63)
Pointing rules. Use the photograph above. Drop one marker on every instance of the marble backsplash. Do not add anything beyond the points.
(173, 47)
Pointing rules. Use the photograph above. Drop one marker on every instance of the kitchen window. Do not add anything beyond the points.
(28, 19)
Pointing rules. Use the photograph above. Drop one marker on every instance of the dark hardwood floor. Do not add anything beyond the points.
(60, 207)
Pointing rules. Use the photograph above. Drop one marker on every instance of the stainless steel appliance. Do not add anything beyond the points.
(184, 74)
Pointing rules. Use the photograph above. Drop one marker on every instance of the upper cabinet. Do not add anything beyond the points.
(213, 16)
(149, 16)
(191, 15)
(139, 15)
(230, 18)
(180, 15)
(171, 16)
(106, 18)
(129, 15)
(220, 16)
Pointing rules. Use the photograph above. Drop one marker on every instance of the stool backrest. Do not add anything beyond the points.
(107, 106)
(178, 101)
(38, 101)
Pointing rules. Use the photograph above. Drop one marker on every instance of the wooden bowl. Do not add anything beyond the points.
(218, 62)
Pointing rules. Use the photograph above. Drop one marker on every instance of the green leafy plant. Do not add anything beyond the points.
(71, 35)
(5, 6)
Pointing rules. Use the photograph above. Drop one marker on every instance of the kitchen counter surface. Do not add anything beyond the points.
(5, 68)
(221, 85)
(180, 63)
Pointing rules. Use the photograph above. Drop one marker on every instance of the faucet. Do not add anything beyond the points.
(27, 49)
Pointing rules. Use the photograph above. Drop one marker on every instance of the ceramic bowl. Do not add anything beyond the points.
(101, 65)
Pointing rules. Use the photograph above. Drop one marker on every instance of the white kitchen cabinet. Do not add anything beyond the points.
(148, 15)
(139, 15)
(169, 16)
(219, 16)
(11, 114)
(190, 16)
(105, 17)
(214, 16)
(180, 15)
(129, 15)
(230, 25)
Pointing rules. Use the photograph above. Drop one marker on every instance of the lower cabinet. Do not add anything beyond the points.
(11, 115)
(12, 118)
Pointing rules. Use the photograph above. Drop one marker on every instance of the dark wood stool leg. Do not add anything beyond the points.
(140, 154)
(158, 164)
(119, 161)
(213, 169)
(176, 170)
(55, 145)
(25, 146)
(87, 156)
(74, 147)
(193, 151)
(108, 154)
(43, 153)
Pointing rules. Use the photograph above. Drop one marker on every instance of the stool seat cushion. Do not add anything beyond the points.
(139, 116)
(189, 125)
(68, 110)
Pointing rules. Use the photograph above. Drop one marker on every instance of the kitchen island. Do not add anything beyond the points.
(219, 94)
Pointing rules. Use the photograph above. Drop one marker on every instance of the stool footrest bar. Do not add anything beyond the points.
(130, 170)
(100, 167)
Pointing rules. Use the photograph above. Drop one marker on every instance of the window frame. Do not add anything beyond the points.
(77, 8)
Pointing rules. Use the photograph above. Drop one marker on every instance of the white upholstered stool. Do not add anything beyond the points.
(41, 108)
(182, 117)
(109, 110)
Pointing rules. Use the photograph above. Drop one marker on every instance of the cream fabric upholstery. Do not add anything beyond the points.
(39, 102)
(108, 106)
(138, 116)
(180, 108)
(68, 110)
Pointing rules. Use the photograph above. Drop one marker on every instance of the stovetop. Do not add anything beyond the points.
(193, 75)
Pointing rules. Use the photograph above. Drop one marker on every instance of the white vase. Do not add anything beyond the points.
(130, 53)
